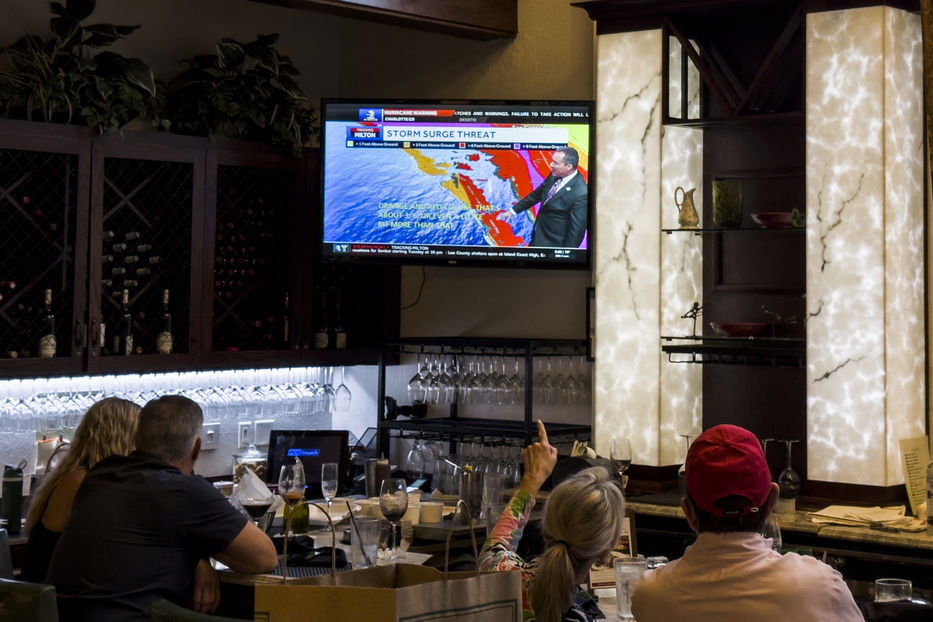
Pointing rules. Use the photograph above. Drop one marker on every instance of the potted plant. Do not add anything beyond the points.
(62, 79)
(245, 90)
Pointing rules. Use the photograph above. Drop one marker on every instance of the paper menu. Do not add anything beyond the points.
(915, 454)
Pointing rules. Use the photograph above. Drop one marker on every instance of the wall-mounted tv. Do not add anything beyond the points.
(503, 183)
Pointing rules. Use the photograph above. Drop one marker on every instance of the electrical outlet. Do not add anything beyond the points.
(262, 430)
(244, 433)
(210, 436)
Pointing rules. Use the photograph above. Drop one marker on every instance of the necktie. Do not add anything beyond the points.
(553, 190)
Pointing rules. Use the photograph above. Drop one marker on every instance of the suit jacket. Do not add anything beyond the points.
(561, 221)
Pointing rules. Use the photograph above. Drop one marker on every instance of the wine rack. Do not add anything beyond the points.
(39, 201)
(252, 280)
(146, 248)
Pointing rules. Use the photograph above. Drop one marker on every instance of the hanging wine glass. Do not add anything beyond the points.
(689, 438)
(342, 396)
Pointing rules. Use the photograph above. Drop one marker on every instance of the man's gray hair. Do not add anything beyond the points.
(168, 427)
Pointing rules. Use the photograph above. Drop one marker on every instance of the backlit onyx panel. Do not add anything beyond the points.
(147, 209)
(252, 262)
(37, 238)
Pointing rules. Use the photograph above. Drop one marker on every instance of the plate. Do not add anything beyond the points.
(773, 220)
(738, 329)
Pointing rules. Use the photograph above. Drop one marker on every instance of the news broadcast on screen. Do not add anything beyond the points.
(431, 182)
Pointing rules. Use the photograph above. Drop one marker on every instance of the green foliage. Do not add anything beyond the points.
(62, 79)
(246, 90)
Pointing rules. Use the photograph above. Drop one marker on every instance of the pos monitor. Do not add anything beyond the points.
(313, 448)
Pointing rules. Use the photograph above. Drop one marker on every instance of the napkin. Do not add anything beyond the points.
(251, 487)
(887, 519)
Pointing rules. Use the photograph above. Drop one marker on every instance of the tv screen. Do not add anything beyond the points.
(463, 183)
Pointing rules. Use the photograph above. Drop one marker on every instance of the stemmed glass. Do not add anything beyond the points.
(620, 455)
(789, 479)
(329, 482)
(681, 473)
(343, 395)
(393, 502)
(292, 490)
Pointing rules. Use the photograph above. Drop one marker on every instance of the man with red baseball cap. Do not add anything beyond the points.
(731, 571)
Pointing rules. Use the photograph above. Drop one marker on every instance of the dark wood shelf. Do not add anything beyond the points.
(755, 351)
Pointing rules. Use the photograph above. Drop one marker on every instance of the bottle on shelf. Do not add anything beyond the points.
(143, 271)
(108, 235)
(48, 345)
(340, 333)
(123, 340)
(106, 259)
(321, 333)
(165, 341)
(132, 235)
(131, 259)
(118, 271)
(155, 259)
(143, 248)
(119, 247)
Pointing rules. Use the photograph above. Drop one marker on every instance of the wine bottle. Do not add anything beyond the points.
(164, 341)
(144, 248)
(118, 271)
(132, 235)
(340, 334)
(322, 335)
(143, 271)
(123, 340)
(119, 247)
(47, 342)
(155, 259)
(131, 259)
(106, 259)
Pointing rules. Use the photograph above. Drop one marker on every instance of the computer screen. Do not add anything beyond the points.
(313, 448)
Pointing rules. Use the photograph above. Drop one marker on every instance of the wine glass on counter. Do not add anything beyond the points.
(620, 456)
(393, 502)
(292, 490)
(329, 483)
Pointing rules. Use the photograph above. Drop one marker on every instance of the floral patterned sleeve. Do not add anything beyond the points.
(499, 550)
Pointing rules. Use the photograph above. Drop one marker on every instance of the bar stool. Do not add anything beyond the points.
(27, 601)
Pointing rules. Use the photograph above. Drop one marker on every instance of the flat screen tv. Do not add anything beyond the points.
(503, 183)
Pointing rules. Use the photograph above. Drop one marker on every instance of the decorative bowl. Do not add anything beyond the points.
(738, 329)
(773, 220)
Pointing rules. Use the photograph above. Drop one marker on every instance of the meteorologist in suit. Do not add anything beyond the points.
(561, 221)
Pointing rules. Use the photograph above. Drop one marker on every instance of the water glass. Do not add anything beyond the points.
(888, 590)
(364, 541)
(627, 572)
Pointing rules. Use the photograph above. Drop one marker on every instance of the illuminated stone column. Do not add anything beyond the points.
(865, 328)
(638, 269)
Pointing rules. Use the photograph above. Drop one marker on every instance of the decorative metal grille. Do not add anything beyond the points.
(38, 197)
(252, 263)
(147, 209)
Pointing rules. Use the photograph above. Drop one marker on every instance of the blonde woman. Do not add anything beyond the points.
(108, 428)
(582, 522)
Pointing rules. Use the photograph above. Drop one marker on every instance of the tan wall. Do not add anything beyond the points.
(551, 58)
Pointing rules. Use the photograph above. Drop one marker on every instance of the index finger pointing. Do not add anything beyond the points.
(542, 433)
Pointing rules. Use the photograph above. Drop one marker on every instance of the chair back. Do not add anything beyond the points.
(167, 611)
(6, 558)
(27, 601)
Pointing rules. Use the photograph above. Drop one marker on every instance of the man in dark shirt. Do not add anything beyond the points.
(141, 524)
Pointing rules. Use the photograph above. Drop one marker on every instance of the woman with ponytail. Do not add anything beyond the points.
(582, 522)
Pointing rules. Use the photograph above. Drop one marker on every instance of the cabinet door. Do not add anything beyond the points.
(44, 202)
(146, 233)
(254, 230)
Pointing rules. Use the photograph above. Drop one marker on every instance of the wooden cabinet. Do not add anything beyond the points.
(226, 227)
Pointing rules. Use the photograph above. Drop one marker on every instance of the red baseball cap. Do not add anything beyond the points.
(726, 461)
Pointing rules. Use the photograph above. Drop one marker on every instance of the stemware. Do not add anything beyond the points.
(292, 490)
(620, 455)
(330, 479)
(772, 529)
(789, 479)
(342, 396)
(415, 461)
(681, 473)
(393, 502)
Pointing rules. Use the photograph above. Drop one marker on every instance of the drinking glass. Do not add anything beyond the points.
(393, 502)
(620, 455)
(342, 396)
(627, 572)
(789, 479)
(415, 461)
(889, 590)
(292, 490)
(329, 482)
(772, 529)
